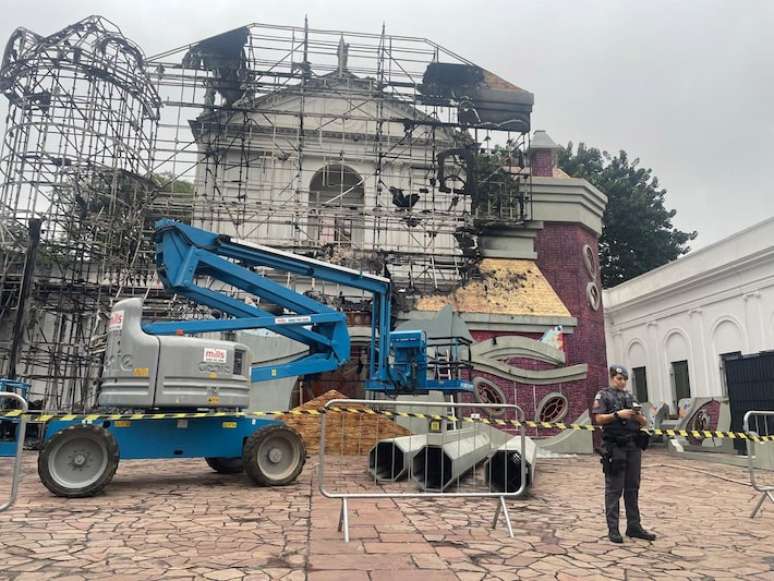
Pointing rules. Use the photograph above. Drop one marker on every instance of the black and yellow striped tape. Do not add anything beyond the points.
(43, 418)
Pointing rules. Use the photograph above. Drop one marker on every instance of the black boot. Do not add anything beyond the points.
(640, 533)
(615, 537)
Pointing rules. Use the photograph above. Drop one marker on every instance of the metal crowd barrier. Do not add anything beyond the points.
(763, 426)
(459, 457)
(16, 472)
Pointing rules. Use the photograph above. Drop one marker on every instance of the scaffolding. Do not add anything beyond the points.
(346, 146)
(76, 154)
(370, 150)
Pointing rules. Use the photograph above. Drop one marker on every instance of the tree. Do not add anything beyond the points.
(637, 231)
(166, 181)
(174, 198)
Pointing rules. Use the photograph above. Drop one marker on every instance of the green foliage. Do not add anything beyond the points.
(166, 182)
(637, 233)
(113, 212)
(174, 198)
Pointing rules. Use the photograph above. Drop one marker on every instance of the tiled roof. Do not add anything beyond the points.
(507, 287)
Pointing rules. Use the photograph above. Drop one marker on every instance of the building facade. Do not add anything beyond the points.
(537, 277)
(674, 326)
(378, 157)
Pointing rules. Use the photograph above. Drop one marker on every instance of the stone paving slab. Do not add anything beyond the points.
(179, 520)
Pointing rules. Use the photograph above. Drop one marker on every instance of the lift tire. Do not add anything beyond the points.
(225, 465)
(274, 455)
(78, 461)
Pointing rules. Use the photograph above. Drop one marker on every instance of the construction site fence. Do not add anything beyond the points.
(444, 458)
(759, 426)
(16, 471)
(394, 475)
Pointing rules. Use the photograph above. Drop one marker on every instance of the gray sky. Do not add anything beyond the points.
(685, 86)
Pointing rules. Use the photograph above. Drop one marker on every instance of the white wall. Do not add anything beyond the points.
(719, 299)
(274, 209)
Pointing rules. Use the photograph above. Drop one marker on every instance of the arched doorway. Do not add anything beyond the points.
(336, 199)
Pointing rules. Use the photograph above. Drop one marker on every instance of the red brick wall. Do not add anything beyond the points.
(528, 396)
(559, 247)
(542, 163)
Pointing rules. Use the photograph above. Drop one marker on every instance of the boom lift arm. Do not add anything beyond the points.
(185, 254)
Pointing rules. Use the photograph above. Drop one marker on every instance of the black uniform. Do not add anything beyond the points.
(621, 458)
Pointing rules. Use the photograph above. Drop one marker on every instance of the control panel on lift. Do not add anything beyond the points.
(147, 371)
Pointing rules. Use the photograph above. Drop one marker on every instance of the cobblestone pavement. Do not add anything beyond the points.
(179, 520)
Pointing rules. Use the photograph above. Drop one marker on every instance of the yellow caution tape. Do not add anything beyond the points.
(44, 418)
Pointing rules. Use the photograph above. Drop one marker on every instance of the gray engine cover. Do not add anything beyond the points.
(146, 371)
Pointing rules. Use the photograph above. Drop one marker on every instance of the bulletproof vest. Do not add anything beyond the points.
(617, 400)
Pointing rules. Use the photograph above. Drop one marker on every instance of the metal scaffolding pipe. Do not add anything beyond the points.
(441, 463)
(24, 294)
(503, 468)
(390, 459)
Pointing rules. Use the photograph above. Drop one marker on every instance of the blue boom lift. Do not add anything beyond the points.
(166, 394)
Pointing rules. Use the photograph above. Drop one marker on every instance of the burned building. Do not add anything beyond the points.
(75, 163)
(384, 153)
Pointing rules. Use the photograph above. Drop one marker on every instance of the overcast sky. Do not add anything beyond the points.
(688, 87)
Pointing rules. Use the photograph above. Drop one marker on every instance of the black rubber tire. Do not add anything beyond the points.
(93, 432)
(253, 446)
(225, 465)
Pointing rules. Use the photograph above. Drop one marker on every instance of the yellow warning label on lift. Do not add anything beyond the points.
(141, 372)
(229, 425)
(122, 423)
(213, 400)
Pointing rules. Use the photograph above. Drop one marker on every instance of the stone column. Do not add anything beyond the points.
(657, 366)
(701, 351)
(754, 321)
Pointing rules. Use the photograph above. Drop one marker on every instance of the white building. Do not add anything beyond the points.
(673, 326)
(254, 182)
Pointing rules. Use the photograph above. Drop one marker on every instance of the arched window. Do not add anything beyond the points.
(336, 199)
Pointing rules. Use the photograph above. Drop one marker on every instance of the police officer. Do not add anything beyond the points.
(621, 419)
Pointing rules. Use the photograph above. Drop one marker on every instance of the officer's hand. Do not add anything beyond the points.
(627, 414)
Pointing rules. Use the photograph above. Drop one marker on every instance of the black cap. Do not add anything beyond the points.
(619, 370)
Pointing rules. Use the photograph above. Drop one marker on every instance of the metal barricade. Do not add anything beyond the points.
(445, 462)
(16, 472)
(762, 425)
